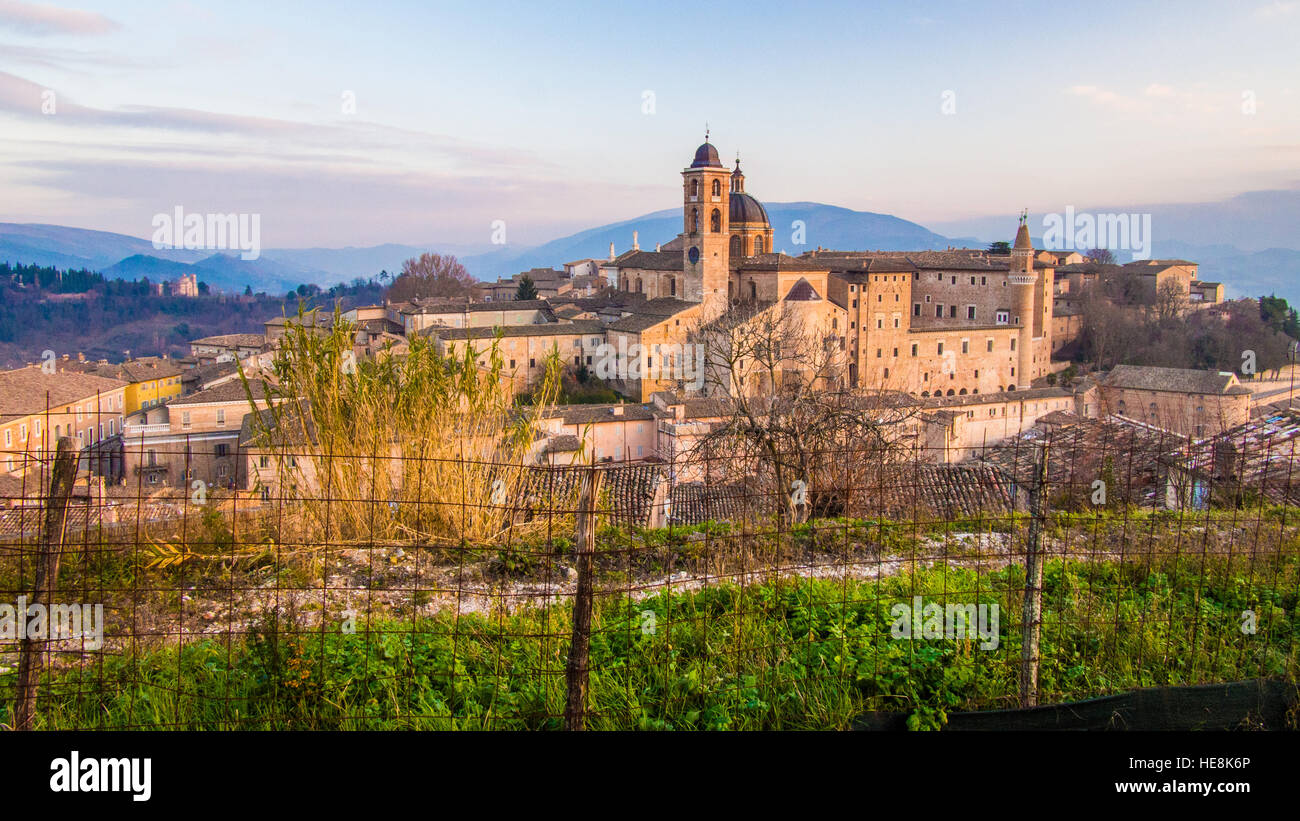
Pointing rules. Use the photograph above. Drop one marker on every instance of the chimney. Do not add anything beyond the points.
(611, 251)
(636, 246)
(617, 410)
(657, 248)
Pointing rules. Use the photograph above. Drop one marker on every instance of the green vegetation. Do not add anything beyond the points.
(794, 654)
(42, 307)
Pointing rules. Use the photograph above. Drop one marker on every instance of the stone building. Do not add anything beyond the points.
(193, 437)
(928, 323)
(1187, 402)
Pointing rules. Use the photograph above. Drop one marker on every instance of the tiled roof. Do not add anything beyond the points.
(577, 327)
(803, 291)
(133, 370)
(1178, 380)
(234, 340)
(588, 414)
(651, 313)
(649, 260)
(1260, 455)
(232, 391)
(780, 262)
(925, 491)
(30, 390)
(1132, 458)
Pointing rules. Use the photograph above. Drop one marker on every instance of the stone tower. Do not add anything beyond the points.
(1022, 277)
(706, 192)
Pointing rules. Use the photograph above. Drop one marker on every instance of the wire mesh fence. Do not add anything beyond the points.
(1070, 562)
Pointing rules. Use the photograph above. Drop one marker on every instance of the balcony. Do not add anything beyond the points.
(145, 430)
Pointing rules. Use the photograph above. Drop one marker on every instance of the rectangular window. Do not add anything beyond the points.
(938, 311)
(990, 344)
(940, 349)
(914, 348)
(916, 309)
(221, 416)
(970, 311)
(185, 419)
(965, 346)
(222, 449)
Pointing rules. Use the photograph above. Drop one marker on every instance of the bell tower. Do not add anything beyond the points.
(706, 199)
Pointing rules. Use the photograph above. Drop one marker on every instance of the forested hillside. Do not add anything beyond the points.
(70, 312)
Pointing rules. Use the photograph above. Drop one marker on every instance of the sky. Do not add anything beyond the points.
(364, 123)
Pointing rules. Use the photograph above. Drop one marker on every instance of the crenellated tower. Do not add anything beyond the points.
(1023, 278)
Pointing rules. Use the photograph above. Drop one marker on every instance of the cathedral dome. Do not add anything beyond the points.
(706, 156)
(745, 208)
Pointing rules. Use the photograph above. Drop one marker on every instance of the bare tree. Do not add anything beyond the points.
(1170, 301)
(790, 428)
(1103, 256)
(433, 275)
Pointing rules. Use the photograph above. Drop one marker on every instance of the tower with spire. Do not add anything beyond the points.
(1022, 277)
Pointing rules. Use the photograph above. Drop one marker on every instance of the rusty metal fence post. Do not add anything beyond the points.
(576, 671)
(1032, 615)
(47, 577)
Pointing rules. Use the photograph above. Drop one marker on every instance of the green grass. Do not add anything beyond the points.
(788, 655)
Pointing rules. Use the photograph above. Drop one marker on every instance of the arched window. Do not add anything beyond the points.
(735, 245)
(695, 189)
(672, 286)
(952, 392)
(715, 221)
(695, 220)
(638, 285)
(1120, 407)
(758, 245)
(717, 188)
(925, 394)
(961, 392)
(753, 290)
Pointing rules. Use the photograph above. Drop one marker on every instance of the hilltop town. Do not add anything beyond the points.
(965, 346)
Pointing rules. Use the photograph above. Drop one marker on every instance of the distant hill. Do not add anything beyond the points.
(1244, 272)
(37, 244)
(826, 225)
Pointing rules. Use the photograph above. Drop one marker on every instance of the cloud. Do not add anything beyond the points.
(1278, 8)
(1200, 101)
(23, 98)
(41, 19)
(305, 205)
(71, 59)
(1105, 97)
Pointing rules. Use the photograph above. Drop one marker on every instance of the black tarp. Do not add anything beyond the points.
(1257, 704)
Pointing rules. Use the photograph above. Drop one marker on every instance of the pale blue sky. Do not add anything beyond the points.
(532, 112)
